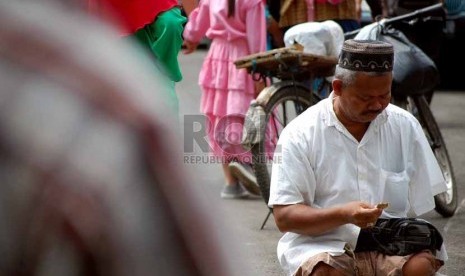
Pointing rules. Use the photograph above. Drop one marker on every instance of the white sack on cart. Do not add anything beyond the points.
(319, 38)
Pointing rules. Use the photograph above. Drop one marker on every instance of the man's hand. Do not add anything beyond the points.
(190, 47)
(362, 214)
(276, 33)
(189, 6)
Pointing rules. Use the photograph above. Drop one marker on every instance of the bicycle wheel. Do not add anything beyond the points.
(446, 202)
(286, 101)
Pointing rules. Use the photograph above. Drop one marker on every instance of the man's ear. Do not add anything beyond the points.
(337, 87)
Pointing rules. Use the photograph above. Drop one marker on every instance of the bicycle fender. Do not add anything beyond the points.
(255, 119)
(254, 124)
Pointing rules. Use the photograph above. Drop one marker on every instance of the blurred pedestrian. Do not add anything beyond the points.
(347, 13)
(291, 13)
(157, 25)
(274, 32)
(236, 28)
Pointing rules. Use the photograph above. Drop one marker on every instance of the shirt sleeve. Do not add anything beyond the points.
(255, 20)
(427, 179)
(292, 176)
(197, 23)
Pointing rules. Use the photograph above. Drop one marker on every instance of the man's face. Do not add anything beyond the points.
(365, 99)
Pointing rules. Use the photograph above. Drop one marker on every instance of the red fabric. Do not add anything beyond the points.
(131, 15)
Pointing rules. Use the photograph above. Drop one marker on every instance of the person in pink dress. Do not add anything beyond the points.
(237, 28)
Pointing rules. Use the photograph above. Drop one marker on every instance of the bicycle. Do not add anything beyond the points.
(274, 100)
(281, 101)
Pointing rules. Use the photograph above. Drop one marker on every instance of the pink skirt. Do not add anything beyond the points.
(226, 90)
(226, 96)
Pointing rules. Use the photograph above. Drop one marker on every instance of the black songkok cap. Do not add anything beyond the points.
(367, 56)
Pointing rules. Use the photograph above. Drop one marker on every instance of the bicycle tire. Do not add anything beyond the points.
(446, 202)
(302, 98)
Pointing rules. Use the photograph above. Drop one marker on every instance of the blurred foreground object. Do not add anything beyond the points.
(91, 176)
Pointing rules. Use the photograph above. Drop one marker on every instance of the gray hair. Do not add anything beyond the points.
(348, 76)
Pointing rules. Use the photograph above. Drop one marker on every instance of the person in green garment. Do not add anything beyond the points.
(163, 37)
(157, 25)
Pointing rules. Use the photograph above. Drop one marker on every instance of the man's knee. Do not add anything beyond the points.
(323, 269)
(423, 263)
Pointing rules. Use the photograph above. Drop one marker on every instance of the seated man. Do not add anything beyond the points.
(339, 159)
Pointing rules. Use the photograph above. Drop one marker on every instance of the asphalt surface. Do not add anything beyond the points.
(257, 248)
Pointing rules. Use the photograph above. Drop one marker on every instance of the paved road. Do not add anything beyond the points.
(244, 217)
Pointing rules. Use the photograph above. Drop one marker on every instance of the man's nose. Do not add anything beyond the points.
(376, 105)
